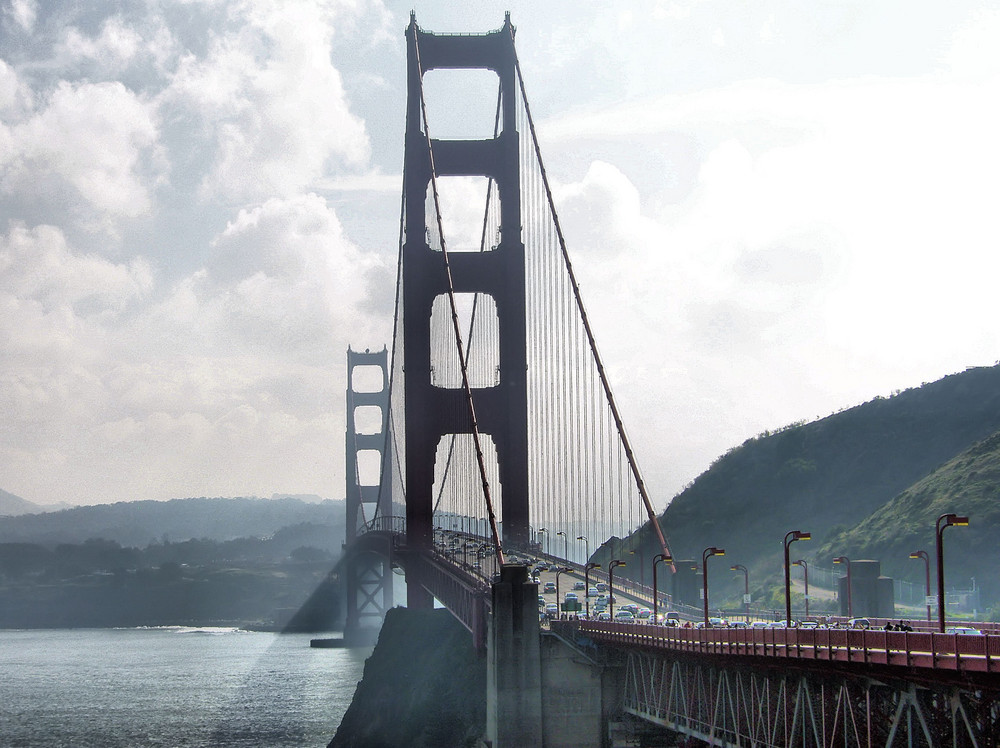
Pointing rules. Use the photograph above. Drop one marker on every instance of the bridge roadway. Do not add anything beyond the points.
(772, 687)
(921, 652)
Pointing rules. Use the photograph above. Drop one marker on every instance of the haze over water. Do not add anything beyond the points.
(174, 686)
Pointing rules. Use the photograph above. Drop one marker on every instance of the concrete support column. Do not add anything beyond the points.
(513, 665)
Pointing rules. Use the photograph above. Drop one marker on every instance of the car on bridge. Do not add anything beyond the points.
(592, 592)
(963, 631)
(570, 596)
(624, 616)
(604, 616)
(552, 610)
(550, 587)
(579, 586)
(859, 623)
(644, 614)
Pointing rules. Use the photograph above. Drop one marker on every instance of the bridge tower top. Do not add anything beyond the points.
(434, 409)
(367, 499)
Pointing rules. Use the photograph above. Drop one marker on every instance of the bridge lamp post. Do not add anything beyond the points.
(658, 559)
(746, 588)
(565, 538)
(791, 537)
(705, 555)
(927, 568)
(845, 560)
(611, 584)
(586, 580)
(949, 520)
(544, 533)
(586, 546)
(805, 572)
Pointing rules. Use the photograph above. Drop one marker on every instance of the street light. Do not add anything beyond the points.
(586, 545)
(586, 580)
(705, 555)
(791, 537)
(540, 531)
(657, 559)
(565, 545)
(611, 584)
(847, 561)
(805, 571)
(949, 520)
(746, 587)
(927, 568)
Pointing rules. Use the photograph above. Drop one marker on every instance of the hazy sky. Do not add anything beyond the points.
(777, 210)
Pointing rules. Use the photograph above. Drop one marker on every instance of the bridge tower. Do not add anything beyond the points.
(433, 412)
(369, 564)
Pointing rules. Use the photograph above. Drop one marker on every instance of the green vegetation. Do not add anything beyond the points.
(867, 482)
(280, 579)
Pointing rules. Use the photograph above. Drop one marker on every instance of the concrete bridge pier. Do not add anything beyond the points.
(513, 664)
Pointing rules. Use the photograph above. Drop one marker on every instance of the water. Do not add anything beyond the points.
(171, 687)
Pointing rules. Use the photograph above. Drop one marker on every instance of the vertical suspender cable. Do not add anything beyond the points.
(633, 465)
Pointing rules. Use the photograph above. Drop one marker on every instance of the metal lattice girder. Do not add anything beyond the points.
(725, 703)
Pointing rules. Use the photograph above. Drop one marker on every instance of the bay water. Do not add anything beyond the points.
(171, 687)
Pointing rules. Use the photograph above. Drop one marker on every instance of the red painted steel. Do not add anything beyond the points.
(951, 652)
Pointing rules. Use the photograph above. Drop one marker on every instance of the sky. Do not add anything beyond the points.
(777, 210)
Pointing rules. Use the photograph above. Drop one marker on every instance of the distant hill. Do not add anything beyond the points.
(828, 476)
(13, 506)
(139, 523)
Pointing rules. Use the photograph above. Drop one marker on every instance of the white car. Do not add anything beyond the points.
(624, 615)
(963, 631)
(604, 616)
(552, 610)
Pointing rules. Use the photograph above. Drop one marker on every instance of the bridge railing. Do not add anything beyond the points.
(393, 524)
(951, 652)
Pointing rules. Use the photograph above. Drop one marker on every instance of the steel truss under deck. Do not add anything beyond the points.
(780, 707)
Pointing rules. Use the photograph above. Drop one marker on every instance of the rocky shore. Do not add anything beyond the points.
(424, 686)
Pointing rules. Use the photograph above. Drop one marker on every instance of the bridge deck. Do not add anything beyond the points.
(921, 650)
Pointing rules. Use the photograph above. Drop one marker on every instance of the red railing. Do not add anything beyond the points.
(953, 652)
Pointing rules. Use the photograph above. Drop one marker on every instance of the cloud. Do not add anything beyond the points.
(274, 105)
(88, 145)
(114, 48)
(23, 13)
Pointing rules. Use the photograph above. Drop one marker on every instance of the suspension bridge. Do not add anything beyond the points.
(489, 434)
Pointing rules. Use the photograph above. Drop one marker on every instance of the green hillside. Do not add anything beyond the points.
(968, 485)
(828, 476)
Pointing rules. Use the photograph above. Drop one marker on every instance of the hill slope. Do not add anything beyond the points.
(969, 484)
(828, 475)
(13, 506)
(138, 523)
